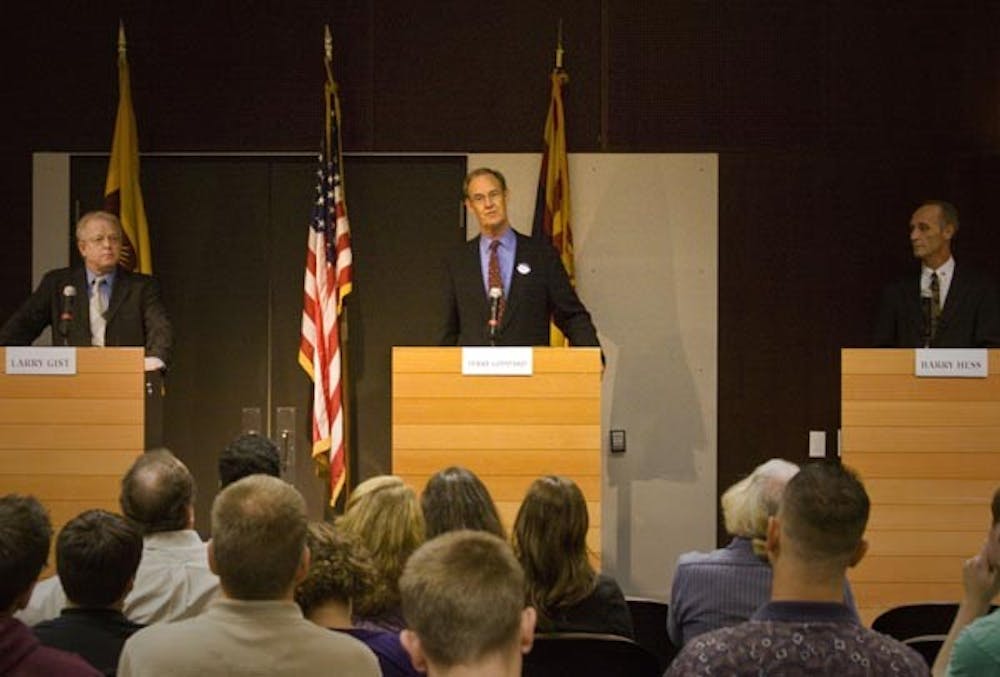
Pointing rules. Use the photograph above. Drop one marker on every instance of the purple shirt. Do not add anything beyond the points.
(505, 256)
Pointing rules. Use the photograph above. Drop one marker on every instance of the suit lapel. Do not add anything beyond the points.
(915, 311)
(522, 258)
(119, 291)
(80, 331)
(957, 293)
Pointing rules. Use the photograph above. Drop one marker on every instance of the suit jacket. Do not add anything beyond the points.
(135, 316)
(539, 289)
(970, 317)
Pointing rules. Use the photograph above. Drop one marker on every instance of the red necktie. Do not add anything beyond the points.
(493, 273)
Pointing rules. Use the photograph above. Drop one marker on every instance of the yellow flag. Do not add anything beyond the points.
(122, 194)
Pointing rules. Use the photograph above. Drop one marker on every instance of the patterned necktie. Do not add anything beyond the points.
(97, 308)
(495, 281)
(935, 304)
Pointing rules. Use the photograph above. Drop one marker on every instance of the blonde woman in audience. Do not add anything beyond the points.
(383, 514)
(550, 542)
(340, 570)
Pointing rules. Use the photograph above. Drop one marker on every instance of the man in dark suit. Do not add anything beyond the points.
(946, 305)
(501, 287)
(99, 304)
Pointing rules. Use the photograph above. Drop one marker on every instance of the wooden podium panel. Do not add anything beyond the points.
(928, 450)
(509, 430)
(68, 440)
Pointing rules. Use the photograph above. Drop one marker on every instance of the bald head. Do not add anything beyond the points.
(158, 493)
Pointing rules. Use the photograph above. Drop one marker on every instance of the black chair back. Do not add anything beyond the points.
(560, 654)
(649, 620)
(922, 627)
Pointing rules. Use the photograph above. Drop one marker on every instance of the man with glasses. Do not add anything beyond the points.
(503, 288)
(97, 304)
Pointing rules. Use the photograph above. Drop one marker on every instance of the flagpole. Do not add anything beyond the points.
(345, 401)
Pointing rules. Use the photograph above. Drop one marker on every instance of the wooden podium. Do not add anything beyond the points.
(67, 440)
(928, 450)
(509, 430)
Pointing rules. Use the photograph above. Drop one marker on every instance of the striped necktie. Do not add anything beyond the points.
(935, 304)
(495, 280)
(97, 308)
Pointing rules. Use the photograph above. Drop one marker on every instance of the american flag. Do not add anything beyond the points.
(327, 283)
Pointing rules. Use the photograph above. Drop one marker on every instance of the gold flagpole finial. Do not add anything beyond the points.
(559, 48)
(327, 43)
(121, 37)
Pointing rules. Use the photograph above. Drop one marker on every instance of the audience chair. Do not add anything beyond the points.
(559, 654)
(924, 626)
(649, 620)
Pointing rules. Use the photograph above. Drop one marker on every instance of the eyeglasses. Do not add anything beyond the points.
(479, 198)
(101, 239)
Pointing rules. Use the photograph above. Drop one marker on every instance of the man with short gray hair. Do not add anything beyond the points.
(259, 551)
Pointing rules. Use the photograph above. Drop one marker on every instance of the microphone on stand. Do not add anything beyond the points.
(66, 313)
(496, 293)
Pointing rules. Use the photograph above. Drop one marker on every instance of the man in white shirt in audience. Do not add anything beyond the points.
(173, 580)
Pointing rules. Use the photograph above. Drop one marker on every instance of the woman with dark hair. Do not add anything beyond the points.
(340, 571)
(455, 498)
(550, 542)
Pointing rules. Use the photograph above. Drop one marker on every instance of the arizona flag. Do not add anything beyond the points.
(122, 194)
(327, 282)
(552, 213)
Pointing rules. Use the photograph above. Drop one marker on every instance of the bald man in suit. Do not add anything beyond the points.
(946, 305)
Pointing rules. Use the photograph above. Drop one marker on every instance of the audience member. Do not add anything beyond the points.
(259, 551)
(463, 601)
(973, 643)
(550, 541)
(25, 534)
(455, 498)
(173, 580)
(383, 514)
(806, 628)
(97, 554)
(248, 454)
(340, 571)
(724, 587)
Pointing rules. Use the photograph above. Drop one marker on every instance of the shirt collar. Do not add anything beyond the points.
(507, 240)
(805, 612)
(945, 270)
(91, 276)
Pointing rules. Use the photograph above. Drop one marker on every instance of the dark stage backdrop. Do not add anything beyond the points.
(229, 242)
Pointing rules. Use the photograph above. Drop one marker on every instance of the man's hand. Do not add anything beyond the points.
(980, 581)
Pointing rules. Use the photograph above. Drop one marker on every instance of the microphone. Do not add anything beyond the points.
(496, 293)
(925, 313)
(66, 312)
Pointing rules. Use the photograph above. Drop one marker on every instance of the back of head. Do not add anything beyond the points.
(550, 541)
(258, 537)
(339, 569)
(97, 553)
(747, 504)
(25, 534)
(248, 454)
(455, 498)
(384, 515)
(463, 596)
(823, 514)
(158, 493)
